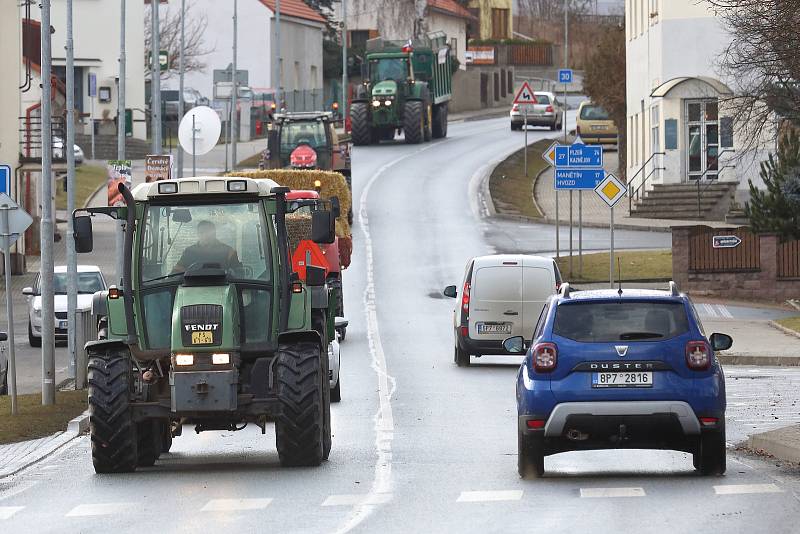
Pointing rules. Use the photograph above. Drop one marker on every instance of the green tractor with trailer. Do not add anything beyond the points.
(406, 87)
(210, 326)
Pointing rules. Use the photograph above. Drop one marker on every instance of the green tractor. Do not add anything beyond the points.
(211, 326)
(407, 86)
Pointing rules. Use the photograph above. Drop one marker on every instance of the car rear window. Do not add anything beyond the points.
(542, 99)
(594, 113)
(623, 320)
(498, 284)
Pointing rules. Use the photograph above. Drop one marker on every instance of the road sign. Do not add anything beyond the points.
(579, 155)
(577, 179)
(725, 241)
(92, 84)
(565, 76)
(525, 95)
(5, 179)
(611, 190)
(549, 155)
(18, 220)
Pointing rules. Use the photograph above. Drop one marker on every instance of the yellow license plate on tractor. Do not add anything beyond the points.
(202, 338)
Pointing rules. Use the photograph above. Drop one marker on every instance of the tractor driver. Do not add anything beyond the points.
(208, 250)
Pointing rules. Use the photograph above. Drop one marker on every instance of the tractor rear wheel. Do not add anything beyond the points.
(413, 122)
(359, 122)
(111, 425)
(440, 121)
(300, 427)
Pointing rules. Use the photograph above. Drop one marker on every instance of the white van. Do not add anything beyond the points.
(501, 296)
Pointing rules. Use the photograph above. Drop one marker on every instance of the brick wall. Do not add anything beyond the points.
(763, 284)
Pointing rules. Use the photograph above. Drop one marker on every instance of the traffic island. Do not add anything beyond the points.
(511, 190)
(783, 443)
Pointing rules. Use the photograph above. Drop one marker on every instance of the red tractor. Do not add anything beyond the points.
(334, 257)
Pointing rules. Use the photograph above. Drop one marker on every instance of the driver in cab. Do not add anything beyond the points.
(208, 250)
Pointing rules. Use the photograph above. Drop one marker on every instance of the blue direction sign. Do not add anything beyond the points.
(577, 179)
(5, 179)
(579, 155)
(565, 76)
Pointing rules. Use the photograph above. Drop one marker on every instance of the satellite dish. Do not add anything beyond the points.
(207, 127)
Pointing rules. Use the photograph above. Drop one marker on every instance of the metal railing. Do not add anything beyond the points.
(710, 182)
(641, 187)
(85, 330)
(30, 139)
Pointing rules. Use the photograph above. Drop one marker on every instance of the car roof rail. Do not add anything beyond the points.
(565, 290)
(673, 289)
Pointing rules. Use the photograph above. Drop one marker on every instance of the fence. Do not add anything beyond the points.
(704, 258)
(788, 260)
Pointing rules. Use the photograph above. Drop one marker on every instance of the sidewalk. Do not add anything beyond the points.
(595, 211)
(479, 114)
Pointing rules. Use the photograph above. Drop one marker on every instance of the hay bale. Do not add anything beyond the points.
(333, 185)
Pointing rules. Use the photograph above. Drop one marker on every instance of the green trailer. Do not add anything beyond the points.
(407, 86)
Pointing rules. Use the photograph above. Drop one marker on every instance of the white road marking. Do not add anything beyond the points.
(603, 493)
(723, 310)
(709, 310)
(232, 505)
(7, 511)
(355, 500)
(489, 496)
(744, 489)
(16, 490)
(108, 508)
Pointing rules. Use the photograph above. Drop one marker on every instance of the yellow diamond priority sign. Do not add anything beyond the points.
(549, 155)
(611, 189)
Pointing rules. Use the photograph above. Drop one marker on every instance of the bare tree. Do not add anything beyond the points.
(170, 37)
(763, 63)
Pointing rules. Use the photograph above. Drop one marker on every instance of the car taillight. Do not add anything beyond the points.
(545, 357)
(558, 286)
(465, 298)
(549, 109)
(698, 355)
(536, 423)
(515, 107)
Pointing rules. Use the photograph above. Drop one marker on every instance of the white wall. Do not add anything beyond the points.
(454, 27)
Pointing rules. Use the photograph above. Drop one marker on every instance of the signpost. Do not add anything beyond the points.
(13, 222)
(5, 179)
(525, 98)
(725, 241)
(611, 190)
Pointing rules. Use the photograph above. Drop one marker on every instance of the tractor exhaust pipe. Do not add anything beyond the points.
(127, 277)
(283, 247)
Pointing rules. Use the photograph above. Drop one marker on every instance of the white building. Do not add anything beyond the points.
(675, 98)
(301, 33)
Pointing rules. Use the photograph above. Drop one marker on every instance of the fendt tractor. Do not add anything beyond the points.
(211, 326)
(406, 87)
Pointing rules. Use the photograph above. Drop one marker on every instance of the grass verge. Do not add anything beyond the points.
(792, 323)
(511, 190)
(37, 421)
(87, 179)
(646, 265)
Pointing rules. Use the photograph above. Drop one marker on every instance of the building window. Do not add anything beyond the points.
(359, 38)
(500, 23)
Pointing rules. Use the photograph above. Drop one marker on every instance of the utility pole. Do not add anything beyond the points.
(277, 67)
(235, 94)
(343, 107)
(118, 237)
(72, 260)
(181, 68)
(155, 80)
(46, 226)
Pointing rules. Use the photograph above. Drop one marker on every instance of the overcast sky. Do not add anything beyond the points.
(605, 7)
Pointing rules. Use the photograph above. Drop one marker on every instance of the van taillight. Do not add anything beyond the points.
(558, 286)
(545, 357)
(465, 298)
(698, 355)
(549, 109)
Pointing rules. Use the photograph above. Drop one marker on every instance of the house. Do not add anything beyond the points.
(453, 19)
(493, 19)
(677, 129)
(301, 34)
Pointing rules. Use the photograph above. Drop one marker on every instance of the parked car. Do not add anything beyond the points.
(3, 364)
(58, 151)
(595, 126)
(548, 111)
(90, 280)
(613, 369)
(500, 296)
(191, 98)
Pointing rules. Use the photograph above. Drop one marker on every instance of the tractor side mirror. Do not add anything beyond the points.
(336, 207)
(323, 227)
(84, 241)
(181, 215)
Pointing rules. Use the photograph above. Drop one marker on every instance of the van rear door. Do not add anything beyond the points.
(538, 283)
(496, 302)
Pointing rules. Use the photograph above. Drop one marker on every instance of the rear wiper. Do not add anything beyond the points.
(639, 335)
(170, 275)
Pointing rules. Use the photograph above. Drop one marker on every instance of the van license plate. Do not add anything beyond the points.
(494, 328)
(622, 380)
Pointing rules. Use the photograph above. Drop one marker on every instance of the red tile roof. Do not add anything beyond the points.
(295, 8)
(451, 7)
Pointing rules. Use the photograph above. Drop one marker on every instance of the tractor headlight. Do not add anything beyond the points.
(220, 358)
(184, 359)
(387, 103)
(376, 103)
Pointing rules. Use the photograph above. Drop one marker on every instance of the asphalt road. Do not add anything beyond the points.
(419, 444)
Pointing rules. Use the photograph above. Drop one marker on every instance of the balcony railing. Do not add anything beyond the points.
(30, 139)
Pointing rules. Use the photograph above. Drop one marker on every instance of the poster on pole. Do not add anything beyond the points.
(118, 171)
(157, 168)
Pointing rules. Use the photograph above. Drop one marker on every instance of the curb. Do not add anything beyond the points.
(768, 361)
(78, 425)
(783, 329)
(782, 443)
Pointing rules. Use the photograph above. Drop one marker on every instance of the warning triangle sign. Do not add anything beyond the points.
(525, 95)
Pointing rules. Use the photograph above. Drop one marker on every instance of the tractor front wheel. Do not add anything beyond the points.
(413, 122)
(359, 120)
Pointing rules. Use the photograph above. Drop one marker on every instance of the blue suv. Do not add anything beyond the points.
(620, 369)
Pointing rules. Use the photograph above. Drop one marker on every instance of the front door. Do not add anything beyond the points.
(702, 139)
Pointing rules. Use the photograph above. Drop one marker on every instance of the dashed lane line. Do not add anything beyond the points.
(235, 505)
(490, 496)
(746, 489)
(109, 508)
(605, 493)
(357, 500)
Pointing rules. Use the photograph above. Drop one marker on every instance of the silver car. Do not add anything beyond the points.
(90, 280)
(548, 111)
